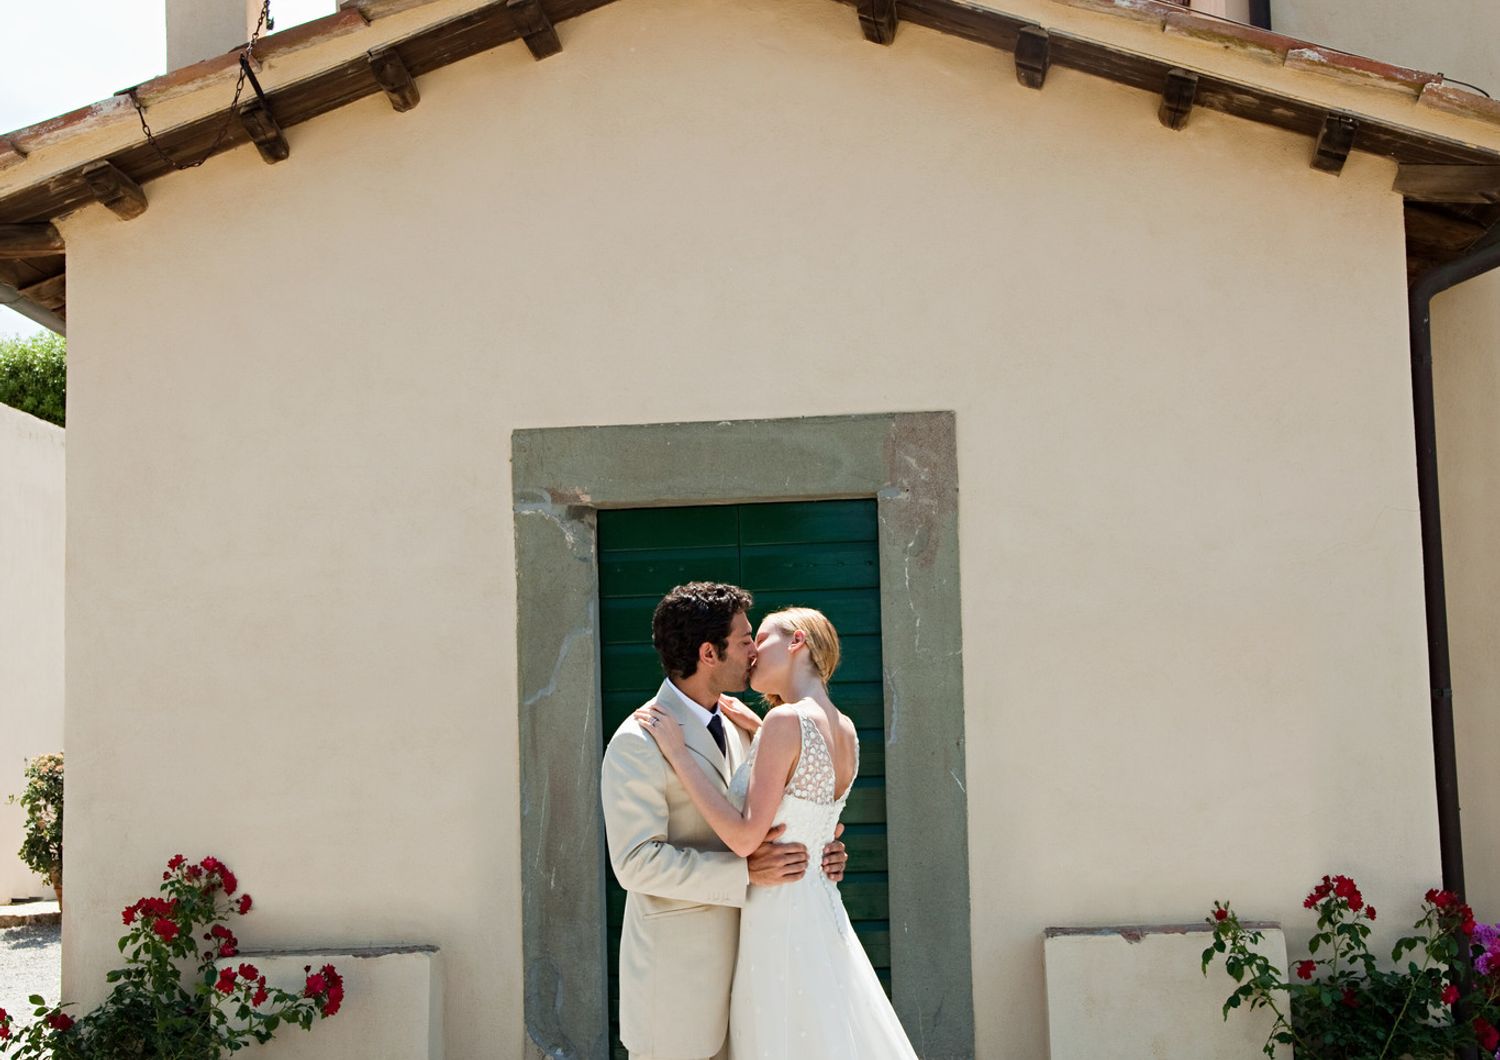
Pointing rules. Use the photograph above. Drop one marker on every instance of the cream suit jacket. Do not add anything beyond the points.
(684, 889)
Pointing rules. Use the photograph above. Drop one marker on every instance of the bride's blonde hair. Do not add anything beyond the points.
(822, 641)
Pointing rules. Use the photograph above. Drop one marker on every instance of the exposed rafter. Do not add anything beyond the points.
(394, 79)
(30, 240)
(1033, 56)
(110, 187)
(1177, 98)
(1429, 183)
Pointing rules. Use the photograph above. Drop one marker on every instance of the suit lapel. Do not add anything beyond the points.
(695, 733)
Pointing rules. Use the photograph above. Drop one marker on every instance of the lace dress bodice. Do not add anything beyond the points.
(809, 808)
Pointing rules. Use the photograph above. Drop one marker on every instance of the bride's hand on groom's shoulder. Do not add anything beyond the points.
(663, 728)
(742, 716)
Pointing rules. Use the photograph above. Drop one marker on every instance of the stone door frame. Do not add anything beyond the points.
(561, 477)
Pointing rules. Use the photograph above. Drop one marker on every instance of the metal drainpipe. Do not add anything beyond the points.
(11, 298)
(1482, 257)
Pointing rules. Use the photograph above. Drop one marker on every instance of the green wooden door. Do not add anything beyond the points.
(821, 554)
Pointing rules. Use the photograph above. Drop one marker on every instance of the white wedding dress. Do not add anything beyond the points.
(804, 988)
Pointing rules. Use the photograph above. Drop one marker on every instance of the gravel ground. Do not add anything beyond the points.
(30, 963)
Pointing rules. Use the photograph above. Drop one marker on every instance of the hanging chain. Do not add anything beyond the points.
(247, 56)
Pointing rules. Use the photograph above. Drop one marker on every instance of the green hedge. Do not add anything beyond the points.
(34, 375)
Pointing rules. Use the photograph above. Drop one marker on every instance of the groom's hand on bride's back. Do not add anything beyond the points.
(775, 863)
(835, 857)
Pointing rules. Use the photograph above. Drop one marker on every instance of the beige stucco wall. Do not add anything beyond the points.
(1466, 375)
(1191, 579)
(31, 622)
(1453, 37)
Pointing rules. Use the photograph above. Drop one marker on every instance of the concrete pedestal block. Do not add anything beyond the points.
(393, 1006)
(1136, 993)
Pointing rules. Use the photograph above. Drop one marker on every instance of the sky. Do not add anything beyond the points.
(56, 55)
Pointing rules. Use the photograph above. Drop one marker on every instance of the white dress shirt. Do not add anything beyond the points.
(699, 711)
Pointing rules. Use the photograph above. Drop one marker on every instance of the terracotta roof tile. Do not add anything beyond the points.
(1359, 69)
(1459, 101)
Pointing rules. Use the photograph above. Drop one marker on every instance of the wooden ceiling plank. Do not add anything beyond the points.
(50, 293)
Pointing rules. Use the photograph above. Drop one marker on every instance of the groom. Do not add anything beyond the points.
(684, 887)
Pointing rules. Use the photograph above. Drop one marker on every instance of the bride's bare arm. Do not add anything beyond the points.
(780, 743)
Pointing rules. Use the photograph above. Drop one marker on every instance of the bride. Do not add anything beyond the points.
(803, 985)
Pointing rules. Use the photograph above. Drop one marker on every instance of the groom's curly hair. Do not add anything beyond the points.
(691, 614)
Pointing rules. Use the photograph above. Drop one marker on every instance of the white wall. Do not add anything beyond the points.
(1194, 661)
(31, 622)
(1466, 375)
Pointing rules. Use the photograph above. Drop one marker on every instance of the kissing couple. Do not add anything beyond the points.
(732, 946)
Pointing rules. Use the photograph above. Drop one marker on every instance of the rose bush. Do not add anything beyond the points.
(1343, 1005)
(151, 1012)
(42, 799)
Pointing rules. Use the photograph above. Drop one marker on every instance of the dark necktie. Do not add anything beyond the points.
(716, 727)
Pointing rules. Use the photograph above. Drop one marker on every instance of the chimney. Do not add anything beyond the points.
(201, 29)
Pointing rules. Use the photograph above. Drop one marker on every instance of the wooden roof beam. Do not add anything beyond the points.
(1439, 183)
(1033, 56)
(393, 77)
(50, 293)
(261, 126)
(535, 27)
(878, 19)
(1335, 141)
(1177, 98)
(30, 240)
(110, 187)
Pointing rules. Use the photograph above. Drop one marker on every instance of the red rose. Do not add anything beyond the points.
(260, 992)
(1370, 911)
(249, 971)
(244, 904)
(1221, 914)
(59, 1021)
(1489, 1037)
(177, 862)
(211, 864)
(167, 929)
(1468, 926)
(226, 981)
(316, 985)
(1350, 998)
(1450, 994)
(228, 950)
(335, 999)
(231, 882)
(1305, 969)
